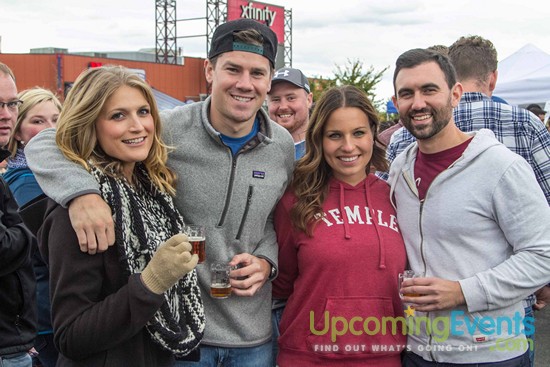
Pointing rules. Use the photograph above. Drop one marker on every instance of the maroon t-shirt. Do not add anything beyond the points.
(428, 166)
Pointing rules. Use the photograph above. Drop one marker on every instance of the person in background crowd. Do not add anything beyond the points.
(442, 49)
(537, 110)
(385, 124)
(386, 134)
(39, 110)
(289, 101)
(484, 264)
(445, 51)
(17, 281)
(10, 104)
(138, 303)
(340, 249)
(233, 166)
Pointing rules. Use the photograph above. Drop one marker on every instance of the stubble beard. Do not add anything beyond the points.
(440, 118)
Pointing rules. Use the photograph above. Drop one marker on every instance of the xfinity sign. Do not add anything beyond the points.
(251, 12)
(271, 15)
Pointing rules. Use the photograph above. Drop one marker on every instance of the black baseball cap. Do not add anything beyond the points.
(536, 109)
(293, 76)
(222, 40)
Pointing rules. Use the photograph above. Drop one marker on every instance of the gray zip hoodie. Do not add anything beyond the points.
(233, 196)
(483, 222)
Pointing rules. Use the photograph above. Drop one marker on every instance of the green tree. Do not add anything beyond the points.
(354, 74)
(319, 84)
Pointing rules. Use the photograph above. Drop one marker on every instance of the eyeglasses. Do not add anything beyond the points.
(11, 105)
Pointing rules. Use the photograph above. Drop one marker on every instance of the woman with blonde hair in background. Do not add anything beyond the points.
(40, 110)
(138, 303)
(340, 250)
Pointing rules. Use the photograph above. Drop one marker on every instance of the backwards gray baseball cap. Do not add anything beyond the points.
(293, 76)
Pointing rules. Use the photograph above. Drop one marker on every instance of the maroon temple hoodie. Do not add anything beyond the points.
(342, 281)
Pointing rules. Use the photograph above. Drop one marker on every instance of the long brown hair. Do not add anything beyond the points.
(312, 172)
(76, 132)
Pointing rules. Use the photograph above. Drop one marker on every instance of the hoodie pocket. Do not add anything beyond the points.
(356, 326)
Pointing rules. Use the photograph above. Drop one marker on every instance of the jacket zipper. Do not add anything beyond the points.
(229, 190)
(245, 214)
(430, 339)
(422, 202)
(414, 189)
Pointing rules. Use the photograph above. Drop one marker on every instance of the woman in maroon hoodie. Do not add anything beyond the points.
(340, 249)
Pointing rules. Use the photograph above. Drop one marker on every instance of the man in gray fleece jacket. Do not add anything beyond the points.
(233, 164)
(475, 225)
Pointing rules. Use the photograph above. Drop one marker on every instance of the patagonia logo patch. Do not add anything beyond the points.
(258, 174)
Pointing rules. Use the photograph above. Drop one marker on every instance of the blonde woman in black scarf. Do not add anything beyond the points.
(136, 304)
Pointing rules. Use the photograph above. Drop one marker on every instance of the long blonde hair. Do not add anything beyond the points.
(312, 172)
(31, 98)
(76, 131)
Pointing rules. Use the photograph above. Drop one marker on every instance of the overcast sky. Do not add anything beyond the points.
(325, 33)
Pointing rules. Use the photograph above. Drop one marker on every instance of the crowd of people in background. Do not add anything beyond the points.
(316, 208)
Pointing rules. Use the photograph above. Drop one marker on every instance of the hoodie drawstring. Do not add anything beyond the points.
(382, 258)
(347, 233)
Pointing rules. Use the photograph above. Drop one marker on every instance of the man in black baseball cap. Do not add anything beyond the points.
(238, 168)
(239, 68)
(225, 39)
(246, 161)
(289, 102)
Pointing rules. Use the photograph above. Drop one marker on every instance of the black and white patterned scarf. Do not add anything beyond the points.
(144, 218)
(19, 160)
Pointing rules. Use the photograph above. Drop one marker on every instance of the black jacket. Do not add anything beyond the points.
(98, 312)
(17, 282)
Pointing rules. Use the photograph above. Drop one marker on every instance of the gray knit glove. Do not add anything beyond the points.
(169, 264)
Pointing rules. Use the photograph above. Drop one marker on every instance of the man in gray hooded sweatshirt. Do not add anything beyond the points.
(475, 225)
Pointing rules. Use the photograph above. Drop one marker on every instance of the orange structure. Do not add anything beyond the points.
(58, 71)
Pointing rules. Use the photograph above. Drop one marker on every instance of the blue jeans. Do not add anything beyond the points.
(259, 356)
(276, 316)
(530, 313)
(22, 359)
(412, 360)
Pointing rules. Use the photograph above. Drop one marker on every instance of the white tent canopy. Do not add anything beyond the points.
(524, 77)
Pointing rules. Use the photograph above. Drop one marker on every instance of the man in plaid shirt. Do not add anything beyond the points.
(475, 61)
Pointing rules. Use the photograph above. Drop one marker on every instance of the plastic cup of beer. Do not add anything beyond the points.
(220, 286)
(197, 238)
(407, 274)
